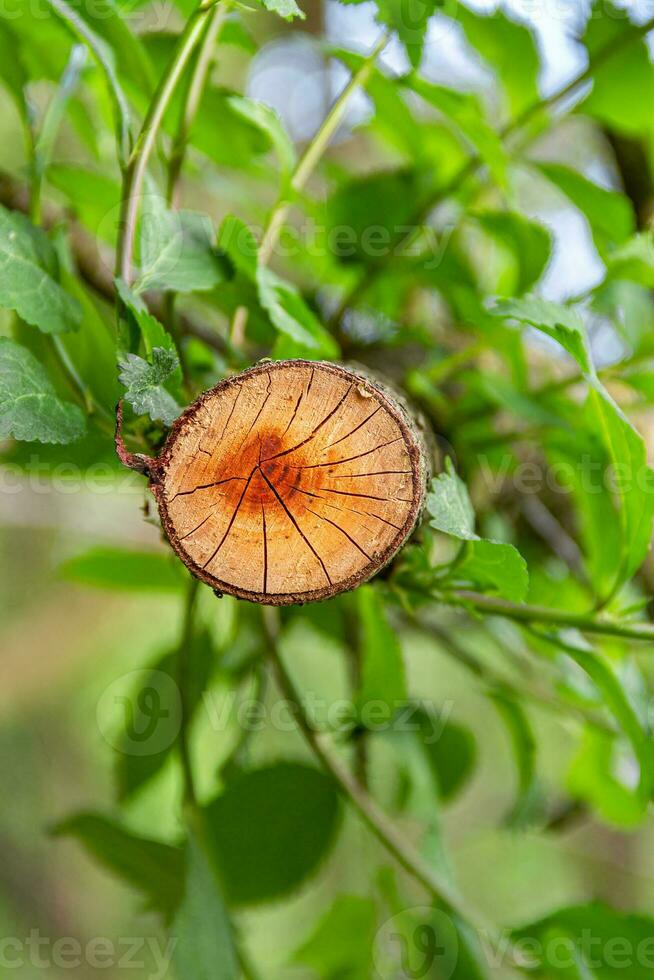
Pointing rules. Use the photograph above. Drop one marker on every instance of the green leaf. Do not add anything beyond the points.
(382, 667)
(623, 85)
(634, 260)
(154, 713)
(269, 123)
(240, 246)
(528, 797)
(589, 942)
(601, 777)
(409, 18)
(290, 315)
(509, 49)
(12, 69)
(353, 920)
(560, 322)
(272, 828)
(288, 9)
(144, 384)
(525, 243)
(609, 214)
(151, 867)
(27, 277)
(449, 505)
(451, 752)
(204, 946)
(483, 563)
(494, 566)
(465, 110)
(177, 251)
(30, 409)
(130, 571)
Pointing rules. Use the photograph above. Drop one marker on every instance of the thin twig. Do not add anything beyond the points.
(140, 156)
(376, 820)
(305, 167)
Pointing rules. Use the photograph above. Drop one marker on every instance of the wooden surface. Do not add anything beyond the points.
(290, 482)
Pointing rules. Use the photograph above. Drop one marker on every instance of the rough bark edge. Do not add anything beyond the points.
(419, 465)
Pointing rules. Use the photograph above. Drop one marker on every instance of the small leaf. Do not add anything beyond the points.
(117, 568)
(240, 246)
(271, 829)
(30, 409)
(27, 277)
(526, 243)
(451, 751)
(267, 120)
(177, 252)
(510, 50)
(560, 322)
(288, 9)
(290, 314)
(353, 920)
(410, 19)
(144, 384)
(609, 214)
(204, 946)
(449, 505)
(151, 867)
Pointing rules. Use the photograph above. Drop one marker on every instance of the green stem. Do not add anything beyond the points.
(375, 819)
(79, 27)
(193, 101)
(183, 684)
(305, 167)
(475, 163)
(525, 613)
(140, 156)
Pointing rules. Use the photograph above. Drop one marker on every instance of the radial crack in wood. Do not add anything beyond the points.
(254, 480)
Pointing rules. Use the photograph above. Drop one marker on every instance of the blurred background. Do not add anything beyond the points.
(69, 633)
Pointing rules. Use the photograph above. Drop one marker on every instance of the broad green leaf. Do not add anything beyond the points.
(449, 505)
(509, 49)
(523, 744)
(288, 9)
(152, 333)
(353, 919)
(145, 381)
(272, 828)
(152, 868)
(91, 196)
(450, 749)
(204, 946)
(382, 666)
(131, 571)
(524, 250)
(466, 112)
(177, 251)
(28, 285)
(153, 711)
(487, 564)
(290, 315)
(30, 409)
(609, 213)
(242, 141)
(560, 322)
(623, 85)
(589, 942)
(494, 566)
(269, 123)
(237, 241)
